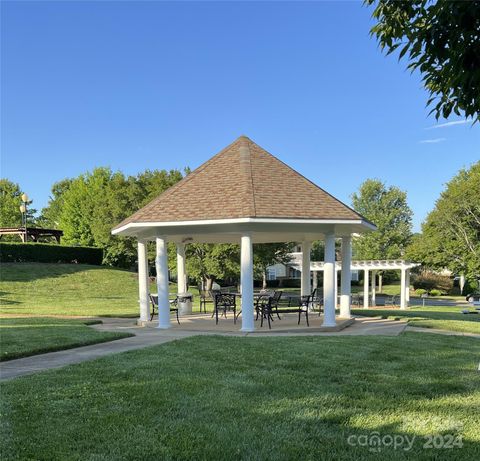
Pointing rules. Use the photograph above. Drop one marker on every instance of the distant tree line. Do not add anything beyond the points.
(87, 207)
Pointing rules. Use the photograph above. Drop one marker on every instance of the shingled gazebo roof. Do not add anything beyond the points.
(243, 182)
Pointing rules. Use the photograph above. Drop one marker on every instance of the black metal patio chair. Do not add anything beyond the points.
(275, 302)
(225, 302)
(173, 306)
(206, 297)
(303, 305)
(263, 306)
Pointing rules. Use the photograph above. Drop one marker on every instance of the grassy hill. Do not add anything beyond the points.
(67, 289)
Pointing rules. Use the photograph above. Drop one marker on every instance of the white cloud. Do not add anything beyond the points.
(432, 141)
(444, 125)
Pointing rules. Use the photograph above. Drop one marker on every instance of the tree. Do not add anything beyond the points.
(268, 254)
(450, 235)
(208, 262)
(441, 39)
(387, 208)
(10, 201)
(86, 208)
(50, 216)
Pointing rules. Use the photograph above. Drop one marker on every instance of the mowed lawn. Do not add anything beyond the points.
(437, 317)
(22, 337)
(222, 398)
(68, 289)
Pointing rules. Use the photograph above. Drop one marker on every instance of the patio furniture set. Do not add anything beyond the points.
(267, 305)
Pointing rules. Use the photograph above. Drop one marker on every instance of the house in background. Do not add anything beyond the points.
(293, 270)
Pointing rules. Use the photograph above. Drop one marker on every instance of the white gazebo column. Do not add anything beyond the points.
(181, 272)
(246, 282)
(461, 283)
(403, 279)
(328, 282)
(314, 280)
(346, 278)
(365, 289)
(143, 281)
(374, 288)
(162, 283)
(407, 286)
(305, 281)
(336, 286)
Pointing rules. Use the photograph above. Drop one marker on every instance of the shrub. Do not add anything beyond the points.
(435, 292)
(290, 283)
(420, 291)
(49, 253)
(430, 280)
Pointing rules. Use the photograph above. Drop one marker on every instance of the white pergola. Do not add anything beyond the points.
(373, 266)
(230, 200)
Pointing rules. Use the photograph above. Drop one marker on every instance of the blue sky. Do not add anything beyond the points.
(137, 85)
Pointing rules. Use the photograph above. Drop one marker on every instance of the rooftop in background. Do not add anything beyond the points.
(243, 181)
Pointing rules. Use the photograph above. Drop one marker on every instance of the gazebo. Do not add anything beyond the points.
(244, 195)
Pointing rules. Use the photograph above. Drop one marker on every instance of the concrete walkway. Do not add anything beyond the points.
(151, 336)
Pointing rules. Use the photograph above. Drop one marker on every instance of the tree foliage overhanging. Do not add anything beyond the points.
(440, 39)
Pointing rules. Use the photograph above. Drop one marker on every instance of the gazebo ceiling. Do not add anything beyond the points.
(243, 188)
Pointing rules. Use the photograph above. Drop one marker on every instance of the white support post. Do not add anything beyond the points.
(162, 284)
(246, 282)
(143, 281)
(403, 301)
(365, 289)
(374, 288)
(407, 287)
(336, 286)
(181, 272)
(462, 283)
(328, 282)
(315, 280)
(305, 281)
(346, 278)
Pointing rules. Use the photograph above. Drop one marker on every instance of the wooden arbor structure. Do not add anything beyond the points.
(31, 233)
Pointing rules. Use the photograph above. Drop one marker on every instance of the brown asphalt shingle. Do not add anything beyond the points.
(242, 181)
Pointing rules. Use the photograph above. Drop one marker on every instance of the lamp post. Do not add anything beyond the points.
(23, 209)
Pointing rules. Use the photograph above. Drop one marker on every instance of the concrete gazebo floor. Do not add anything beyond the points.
(204, 323)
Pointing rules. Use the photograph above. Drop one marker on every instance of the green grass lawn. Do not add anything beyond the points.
(439, 317)
(219, 398)
(69, 289)
(461, 326)
(21, 337)
(393, 289)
